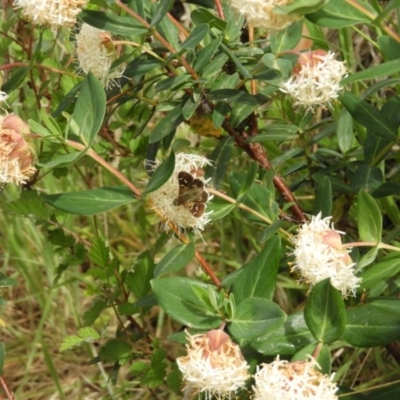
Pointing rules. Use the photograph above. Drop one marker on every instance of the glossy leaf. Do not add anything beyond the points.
(323, 198)
(259, 198)
(195, 37)
(220, 157)
(175, 260)
(288, 339)
(366, 178)
(369, 116)
(325, 312)
(161, 174)
(219, 208)
(90, 202)
(376, 323)
(381, 271)
(90, 109)
(369, 218)
(255, 317)
(167, 124)
(248, 182)
(344, 131)
(178, 299)
(204, 56)
(378, 71)
(286, 39)
(258, 277)
(339, 14)
(161, 10)
(118, 24)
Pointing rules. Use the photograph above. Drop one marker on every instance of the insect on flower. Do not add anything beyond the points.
(192, 195)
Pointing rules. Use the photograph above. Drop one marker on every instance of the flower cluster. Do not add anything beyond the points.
(55, 13)
(213, 365)
(16, 158)
(261, 14)
(319, 254)
(95, 53)
(300, 380)
(164, 199)
(315, 80)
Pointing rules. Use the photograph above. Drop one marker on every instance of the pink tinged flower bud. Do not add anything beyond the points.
(315, 80)
(16, 157)
(297, 380)
(319, 254)
(213, 365)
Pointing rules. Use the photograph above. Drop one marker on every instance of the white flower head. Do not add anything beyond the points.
(315, 80)
(299, 380)
(95, 53)
(213, 365)
(260, 13)
(54, 13)
(16, 158)
(319, 255)
(164, 199)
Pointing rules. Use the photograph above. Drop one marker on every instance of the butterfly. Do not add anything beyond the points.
(192, 195)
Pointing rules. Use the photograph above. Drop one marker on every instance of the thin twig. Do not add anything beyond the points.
(7, 391)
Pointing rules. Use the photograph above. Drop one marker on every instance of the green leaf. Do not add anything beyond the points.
(220, 157)
(161, 174)
(17, 78)
(5, 281)
(167, 124)
(64, 160)
(255, 317)
(90, 109)
(161, 10)
(91, 315)
(29, 204)
(175, 260)
(85, 335)
(382, 271)
(248, 182)
(366, 178)
(288, 339)
(219, 208)
(300, 7)
(259, 198)
(115, 350)
(99, 253)
(325, 312)
(172, 82)
(118, 24)
(204, 56)
(340, 14)
(369, 218)
(389, 47)
(275, 133)
(286, 39)
(376, 323)
(323, 198)
(177, 298)
(369, 116)
(382, 70)
(138, 281)
(90, 202)
(258, 278)
(195, 37)
(344, 131)
(203, 16)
